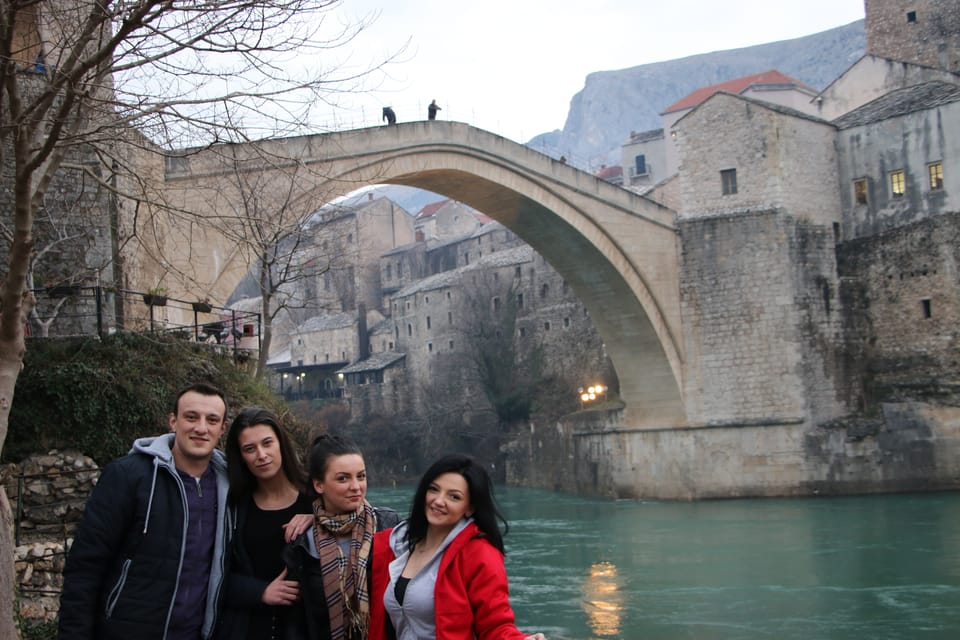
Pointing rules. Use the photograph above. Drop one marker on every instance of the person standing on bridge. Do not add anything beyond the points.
(389, 115)
(432, 110)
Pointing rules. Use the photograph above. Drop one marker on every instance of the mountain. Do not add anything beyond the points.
(614, 103)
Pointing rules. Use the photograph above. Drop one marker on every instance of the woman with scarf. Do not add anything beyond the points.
(331, 560)
(440, 574)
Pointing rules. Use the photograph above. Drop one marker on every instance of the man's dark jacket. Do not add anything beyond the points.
(121, 574)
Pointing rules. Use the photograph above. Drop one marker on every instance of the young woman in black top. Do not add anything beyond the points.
(270, 507)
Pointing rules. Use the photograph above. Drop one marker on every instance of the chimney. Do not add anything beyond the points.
(362, 333)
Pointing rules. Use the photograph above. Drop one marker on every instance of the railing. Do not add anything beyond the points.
(91, 310)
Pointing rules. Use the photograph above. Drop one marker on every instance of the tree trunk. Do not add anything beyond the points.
(8, 628)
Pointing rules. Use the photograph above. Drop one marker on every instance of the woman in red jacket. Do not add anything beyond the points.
(440, 573)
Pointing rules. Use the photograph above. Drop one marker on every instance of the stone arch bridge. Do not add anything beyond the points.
(618, 251)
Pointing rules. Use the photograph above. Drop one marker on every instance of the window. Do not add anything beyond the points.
(897, 184)
(728, 178)
(449, 317)
(523, 332)
(409, 330)
(544, 289)
(935, 171)
(428, 322)
(516, 272)
(925, 304)
(389, 272)
(566, 323)
(546, 326)
(451, 345)
(430, 347)
(426, 299)
(350, 237)
(911, 17)
(641, 162)
(326, 281)
(860, 191)
(466, 258)
(520, 301)
(496, 303)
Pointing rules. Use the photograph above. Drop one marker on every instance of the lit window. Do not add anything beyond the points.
(897, 184)
(728, 178)
(860, 191)
(935, 171)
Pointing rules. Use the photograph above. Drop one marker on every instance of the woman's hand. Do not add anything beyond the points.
(297, 525)
(280, 591)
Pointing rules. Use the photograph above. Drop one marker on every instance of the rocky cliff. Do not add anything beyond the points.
(614, 103)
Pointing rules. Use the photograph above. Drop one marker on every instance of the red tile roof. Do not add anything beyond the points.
(431, 209)
(609, 173)
(737, 86)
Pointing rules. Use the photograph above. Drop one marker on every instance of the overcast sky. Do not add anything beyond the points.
(512, 66)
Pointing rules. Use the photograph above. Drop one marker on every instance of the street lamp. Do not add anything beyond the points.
(591, 394)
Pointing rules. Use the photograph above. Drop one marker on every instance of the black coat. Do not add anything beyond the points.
(121, 574)
(244, 591)
(311, 620)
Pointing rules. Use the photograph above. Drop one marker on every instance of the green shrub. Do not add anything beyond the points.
(98, 396)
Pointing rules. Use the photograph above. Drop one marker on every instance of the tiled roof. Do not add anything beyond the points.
(327, 322)
(430, 209)
(645, 136)
(901, 102)
(507, 257)
(375, 362)
(609, 173)
(736, 86)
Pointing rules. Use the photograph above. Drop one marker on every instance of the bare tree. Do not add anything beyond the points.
(81, 78)
(269, 220)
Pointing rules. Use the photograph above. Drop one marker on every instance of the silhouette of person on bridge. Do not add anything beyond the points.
(389, 115)
(432, 110)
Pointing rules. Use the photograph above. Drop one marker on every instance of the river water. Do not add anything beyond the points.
(864, 568)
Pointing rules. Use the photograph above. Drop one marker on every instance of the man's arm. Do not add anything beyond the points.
(99, 539)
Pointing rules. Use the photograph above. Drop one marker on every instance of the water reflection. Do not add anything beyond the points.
(603, 600)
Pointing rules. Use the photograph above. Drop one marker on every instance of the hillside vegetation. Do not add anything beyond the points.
(98, 396)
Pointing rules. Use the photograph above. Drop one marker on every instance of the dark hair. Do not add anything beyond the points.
(486, 513)
(203, 389)
(324, 447)
(242, 481)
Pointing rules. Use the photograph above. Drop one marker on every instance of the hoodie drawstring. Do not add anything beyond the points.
(153, 486)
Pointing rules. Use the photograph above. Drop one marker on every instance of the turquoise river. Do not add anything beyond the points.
(839, 568)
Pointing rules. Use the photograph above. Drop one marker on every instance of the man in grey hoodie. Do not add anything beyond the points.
(147, 560)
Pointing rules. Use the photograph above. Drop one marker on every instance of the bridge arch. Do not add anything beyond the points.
(618, 251)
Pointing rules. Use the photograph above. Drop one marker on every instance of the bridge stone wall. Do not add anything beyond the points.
(762, 321)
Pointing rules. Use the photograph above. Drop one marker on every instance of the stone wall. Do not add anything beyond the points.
(55, 488)
(930, 37)
(902, 303)
(756, 289)
(906, 447)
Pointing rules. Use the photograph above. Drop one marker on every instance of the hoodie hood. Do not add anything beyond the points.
(161, 448)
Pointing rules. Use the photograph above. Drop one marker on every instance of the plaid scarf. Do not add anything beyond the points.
(345, 578)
